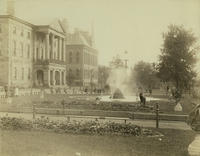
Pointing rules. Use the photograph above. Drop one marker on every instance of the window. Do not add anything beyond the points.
(1, 28)
(77, 73)
(0, 47)
(70, 57)
(15, 74)
(28, 35)
(29, 73)
(22, 73)
(42, 53)
(28, 51)
(22, 50)
(14, 48)
(77, 57)
(37, 53)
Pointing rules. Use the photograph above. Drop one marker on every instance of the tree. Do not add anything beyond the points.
(70, 78)
(103, 74)
(177, 58)
(145, 75)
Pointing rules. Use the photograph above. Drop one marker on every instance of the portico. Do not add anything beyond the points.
(49, 57)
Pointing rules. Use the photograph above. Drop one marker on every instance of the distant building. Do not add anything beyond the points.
(82, 60)
(30, 55)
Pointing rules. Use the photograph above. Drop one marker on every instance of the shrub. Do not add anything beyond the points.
(76, 127)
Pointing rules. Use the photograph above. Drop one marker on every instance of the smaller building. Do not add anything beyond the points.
(82, 60)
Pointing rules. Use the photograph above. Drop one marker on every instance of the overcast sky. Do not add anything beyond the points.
(132, 25)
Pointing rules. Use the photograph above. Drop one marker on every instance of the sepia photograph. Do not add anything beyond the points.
(99, 77)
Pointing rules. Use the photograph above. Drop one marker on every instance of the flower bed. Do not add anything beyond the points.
(75, 127)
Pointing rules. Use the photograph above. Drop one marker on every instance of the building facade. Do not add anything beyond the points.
(82, 60)
(31, 55)
(44, 55)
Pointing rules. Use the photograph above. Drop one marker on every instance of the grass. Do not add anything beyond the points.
(24, 143)
(87, 102)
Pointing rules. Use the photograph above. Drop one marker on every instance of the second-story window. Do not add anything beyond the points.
(28, 51)
(22, 49)
(15, 73)
(22, 73)
(14, 48)
(28, 35)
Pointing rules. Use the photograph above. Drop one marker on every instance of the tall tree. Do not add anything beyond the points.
(145, 75)
(177, 58)
(103, 74)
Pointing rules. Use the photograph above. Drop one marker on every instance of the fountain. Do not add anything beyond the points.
(118, 94)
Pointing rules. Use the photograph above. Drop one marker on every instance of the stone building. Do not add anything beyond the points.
(82, 60)
(31, 55)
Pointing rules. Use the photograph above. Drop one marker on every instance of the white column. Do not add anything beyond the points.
(35, 48)
(47, 47)
(63, 50)
(60, 48)
(52, 48)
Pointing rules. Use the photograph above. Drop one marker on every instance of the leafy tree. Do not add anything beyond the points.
(70, 78)
(103, 74)
(177, 58)
(145, 75)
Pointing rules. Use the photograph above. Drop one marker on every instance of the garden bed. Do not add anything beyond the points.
(76, 127)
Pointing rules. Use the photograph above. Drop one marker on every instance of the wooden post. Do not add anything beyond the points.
(34, 111)
(157, 115)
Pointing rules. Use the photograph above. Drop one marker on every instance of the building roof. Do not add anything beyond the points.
(80, 38)
(54, 24)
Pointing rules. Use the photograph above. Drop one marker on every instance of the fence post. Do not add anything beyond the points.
(157, 115)
(34, 111)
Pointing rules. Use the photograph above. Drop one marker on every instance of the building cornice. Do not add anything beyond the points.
(17, 19)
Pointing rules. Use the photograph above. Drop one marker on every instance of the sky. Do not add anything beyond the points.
(135, 26)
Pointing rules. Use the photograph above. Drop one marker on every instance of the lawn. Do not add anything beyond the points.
(88, 103)
(34, 143)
